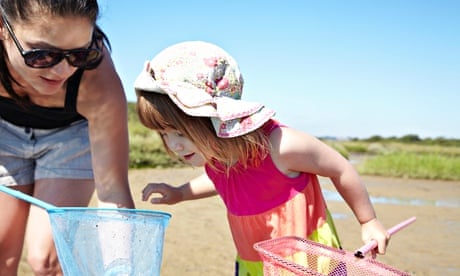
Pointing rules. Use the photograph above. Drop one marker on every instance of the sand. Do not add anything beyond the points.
(198, 241)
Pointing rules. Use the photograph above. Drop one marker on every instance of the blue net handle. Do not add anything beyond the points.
(28, 198)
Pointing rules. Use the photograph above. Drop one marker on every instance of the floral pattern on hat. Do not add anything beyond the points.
(204, 80)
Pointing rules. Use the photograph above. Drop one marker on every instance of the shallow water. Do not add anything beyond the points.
(334, 196)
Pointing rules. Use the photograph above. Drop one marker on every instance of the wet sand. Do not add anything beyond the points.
(198, 241)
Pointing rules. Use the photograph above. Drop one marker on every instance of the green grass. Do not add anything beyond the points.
(418, 160)
(408, 156)
(413, 165)
(145, 147)
(148, 151)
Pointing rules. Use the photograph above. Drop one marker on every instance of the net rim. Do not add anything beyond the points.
(122, 210)
(335, 253)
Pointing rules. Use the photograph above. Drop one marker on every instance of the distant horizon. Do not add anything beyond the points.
(339, 138)
(384, 137)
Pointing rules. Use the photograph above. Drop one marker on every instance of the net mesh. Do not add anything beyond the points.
(289, 256)
(92, 241)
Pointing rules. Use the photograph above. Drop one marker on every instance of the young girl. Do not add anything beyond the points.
(265, 172)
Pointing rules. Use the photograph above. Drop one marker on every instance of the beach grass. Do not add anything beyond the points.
(418, 160)
(413, 165)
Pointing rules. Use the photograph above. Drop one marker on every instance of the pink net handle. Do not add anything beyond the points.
(372, 244)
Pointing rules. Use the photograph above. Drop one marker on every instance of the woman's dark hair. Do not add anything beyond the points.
(23, 10)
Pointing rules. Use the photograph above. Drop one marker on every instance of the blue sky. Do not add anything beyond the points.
(330, 68)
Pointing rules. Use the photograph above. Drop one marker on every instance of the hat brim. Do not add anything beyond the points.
(230, 117)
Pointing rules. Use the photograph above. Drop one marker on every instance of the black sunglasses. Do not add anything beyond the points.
(46, 58)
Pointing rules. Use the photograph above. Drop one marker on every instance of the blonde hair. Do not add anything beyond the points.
(157, 112)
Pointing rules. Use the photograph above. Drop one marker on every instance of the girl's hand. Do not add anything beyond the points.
(374, 230)
(167, 194)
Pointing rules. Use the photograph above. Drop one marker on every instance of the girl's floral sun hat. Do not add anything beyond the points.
(203, 80)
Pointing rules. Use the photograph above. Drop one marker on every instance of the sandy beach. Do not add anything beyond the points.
(198, 242)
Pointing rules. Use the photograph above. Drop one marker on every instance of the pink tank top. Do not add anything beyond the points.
(255, 190)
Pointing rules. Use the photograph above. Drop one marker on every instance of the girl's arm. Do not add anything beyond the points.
(199, 187)
(294, 151)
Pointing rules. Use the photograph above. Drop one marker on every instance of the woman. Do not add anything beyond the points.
(63, 123)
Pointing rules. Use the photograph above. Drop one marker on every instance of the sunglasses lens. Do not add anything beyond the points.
(47, 58)
(83, 57)
(42, 58)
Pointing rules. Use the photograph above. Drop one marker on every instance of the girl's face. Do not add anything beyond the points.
(44, 32)
(183, 147)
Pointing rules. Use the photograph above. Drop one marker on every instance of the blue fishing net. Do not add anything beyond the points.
(109, 242)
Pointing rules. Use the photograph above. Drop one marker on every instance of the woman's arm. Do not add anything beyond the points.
(103, 103)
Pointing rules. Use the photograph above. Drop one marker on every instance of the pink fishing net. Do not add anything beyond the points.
(289, 256)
